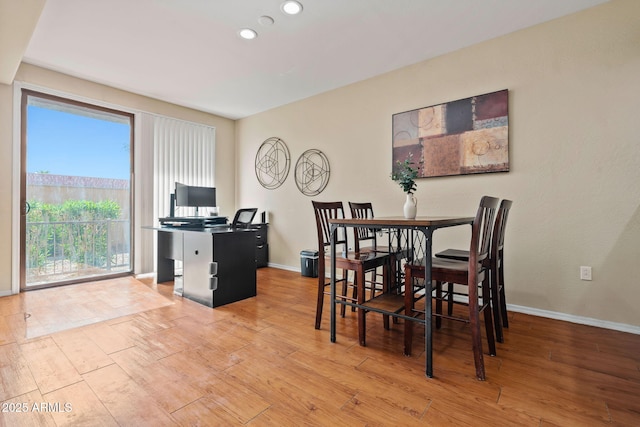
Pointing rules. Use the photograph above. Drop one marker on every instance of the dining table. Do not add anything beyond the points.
(412, 237)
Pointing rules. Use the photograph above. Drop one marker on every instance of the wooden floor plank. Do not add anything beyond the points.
(611, 364)
(126, 400)
(81, 407)
(15, 376)
(243, 404)
(167, 386)
(6, 334)
(49, 365)
(25, 410)
(83, 353)
(195, 364)
(260, 362)
(364, 405)
(453, 412)
(203, 412)
(108, 338)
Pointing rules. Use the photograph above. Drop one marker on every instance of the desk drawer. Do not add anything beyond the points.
(262, 255)
(261, 233)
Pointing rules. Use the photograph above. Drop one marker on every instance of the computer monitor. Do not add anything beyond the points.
(193, 196)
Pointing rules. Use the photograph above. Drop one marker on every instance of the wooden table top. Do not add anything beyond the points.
(395, 221)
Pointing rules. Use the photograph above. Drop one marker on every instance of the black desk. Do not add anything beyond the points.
(219, 263)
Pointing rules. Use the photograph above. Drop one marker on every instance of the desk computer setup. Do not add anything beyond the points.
(219, 259)
(195, 197)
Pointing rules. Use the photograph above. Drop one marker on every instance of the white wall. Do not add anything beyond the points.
(574, 106)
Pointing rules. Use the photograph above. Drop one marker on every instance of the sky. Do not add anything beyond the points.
(62, 143)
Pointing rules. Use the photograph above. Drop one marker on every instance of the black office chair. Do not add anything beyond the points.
(244, 217)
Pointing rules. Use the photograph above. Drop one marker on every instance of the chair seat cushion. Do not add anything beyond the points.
(382, 249)
(449, 264)
(398, 254)
(443, 269)
(368, 258)
(458, 254)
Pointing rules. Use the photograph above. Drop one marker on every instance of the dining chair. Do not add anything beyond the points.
(469, 273)
(366, 239)
(346, 260)
(369, 237)
(496, 273)
(362, 234)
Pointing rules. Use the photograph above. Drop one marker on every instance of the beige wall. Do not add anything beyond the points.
(225, 147)
(575, 157)
(6, 153)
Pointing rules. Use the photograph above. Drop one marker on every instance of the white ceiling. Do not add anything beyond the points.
(187, 51)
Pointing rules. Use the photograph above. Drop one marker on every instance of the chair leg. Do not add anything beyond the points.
(503, 299)
(345, 284)
(496, 305)
(450, 300)
(321, 286)
(394, 280)
(385, 289)
(488, 317)
(438, 304)
(362, 325)
(476, 336)
(354, 293)
(408, 311)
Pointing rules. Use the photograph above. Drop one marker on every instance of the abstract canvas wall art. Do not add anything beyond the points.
(467, 136)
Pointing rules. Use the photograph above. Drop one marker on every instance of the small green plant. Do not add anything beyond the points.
(405, 174)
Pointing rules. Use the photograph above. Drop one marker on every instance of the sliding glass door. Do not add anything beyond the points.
(75, 191)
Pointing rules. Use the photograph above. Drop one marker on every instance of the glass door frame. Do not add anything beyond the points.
(23, 94)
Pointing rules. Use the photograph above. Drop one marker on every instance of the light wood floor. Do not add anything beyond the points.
(260, 362)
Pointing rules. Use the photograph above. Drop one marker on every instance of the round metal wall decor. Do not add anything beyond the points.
(312, 172)
(272, 163)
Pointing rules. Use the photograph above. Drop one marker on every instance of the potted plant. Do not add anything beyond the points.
(405, 175)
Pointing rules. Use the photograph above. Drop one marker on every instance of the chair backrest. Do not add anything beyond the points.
(324, 211)
(481, 231)
(362, 234)
(497, 238)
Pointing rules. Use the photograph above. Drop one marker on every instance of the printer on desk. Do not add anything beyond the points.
(194, 221)
(242, 219)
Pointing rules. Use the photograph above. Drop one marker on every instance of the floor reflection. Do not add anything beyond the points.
(42, 312)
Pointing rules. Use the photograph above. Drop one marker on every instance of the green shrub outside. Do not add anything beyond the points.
(77, 231)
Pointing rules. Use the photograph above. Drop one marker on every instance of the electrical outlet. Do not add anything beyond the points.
(585, 272)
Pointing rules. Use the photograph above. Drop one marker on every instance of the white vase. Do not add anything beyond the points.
(410, 207)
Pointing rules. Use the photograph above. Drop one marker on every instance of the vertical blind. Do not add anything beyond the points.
(183, 152)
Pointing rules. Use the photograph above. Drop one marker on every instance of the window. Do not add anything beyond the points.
(76, 191)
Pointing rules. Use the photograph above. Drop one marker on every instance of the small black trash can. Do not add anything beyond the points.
(309, 263)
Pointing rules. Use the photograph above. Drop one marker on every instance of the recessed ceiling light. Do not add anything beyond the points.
(247, 34)
(265, 21)
(291, 7)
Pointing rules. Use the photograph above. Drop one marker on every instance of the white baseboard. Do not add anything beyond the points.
(623, 327)
(284, 267)
(5, 293)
